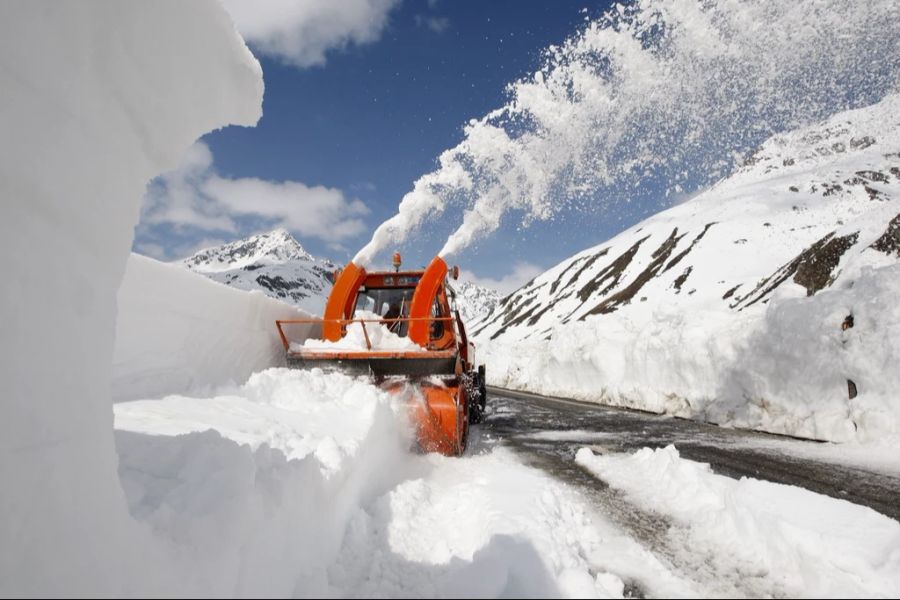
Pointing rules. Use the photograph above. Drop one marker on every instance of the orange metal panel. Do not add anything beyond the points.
(363, 354)
(341, 301)
(423, 299)
(440, 418)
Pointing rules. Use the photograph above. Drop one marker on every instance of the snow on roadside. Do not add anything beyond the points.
(796, 541)
(488, 526)
(880, 456)
(303, 485)
(264, 516)
(297, 412)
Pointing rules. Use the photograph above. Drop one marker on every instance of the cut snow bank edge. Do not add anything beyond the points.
(97, 99)
(782, 371)
(178, 331)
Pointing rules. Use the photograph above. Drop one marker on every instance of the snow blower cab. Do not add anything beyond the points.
(401, 329)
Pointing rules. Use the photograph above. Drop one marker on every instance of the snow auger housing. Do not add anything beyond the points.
(447, 391)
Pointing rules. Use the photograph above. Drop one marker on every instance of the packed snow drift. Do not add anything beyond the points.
(322, 498)
(818, 546)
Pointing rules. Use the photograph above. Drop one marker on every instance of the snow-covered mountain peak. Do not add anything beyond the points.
(474, 301)
(275, 247)
(273, 263)
(822, 144)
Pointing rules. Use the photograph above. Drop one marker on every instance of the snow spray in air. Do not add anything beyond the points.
(665, 91)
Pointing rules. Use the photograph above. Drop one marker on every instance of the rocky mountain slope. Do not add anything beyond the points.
(656, 316)
(474, 301)
(274, 263)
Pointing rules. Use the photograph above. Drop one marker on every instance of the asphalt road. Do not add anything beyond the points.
(548, 431)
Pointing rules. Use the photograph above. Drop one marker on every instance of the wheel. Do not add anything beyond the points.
(478, 396)
(482, 388)
(466, 419)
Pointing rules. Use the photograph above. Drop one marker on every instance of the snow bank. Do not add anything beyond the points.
(783, 370)
(490, 527)
(791, 373)
(265, 516)
(178, 331)
(322, 499)
(97, 99)
(802, 543)
(380, 337)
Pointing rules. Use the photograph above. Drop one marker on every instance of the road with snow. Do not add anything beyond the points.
(548, 432)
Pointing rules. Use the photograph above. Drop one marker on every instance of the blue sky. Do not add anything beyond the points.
(354, 134)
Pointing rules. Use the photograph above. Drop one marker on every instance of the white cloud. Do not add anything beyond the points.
(173, 197)
(436, 24)
(301, 32)
(151, 249)
(195, 196)
(522, 273)
(315, 211)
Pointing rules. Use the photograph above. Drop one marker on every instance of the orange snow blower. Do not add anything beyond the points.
(447, 391)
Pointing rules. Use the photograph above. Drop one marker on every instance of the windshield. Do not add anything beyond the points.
(390, 303)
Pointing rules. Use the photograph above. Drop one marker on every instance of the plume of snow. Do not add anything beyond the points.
(658, 94)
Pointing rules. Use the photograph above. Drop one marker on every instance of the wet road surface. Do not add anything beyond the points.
(548, 432)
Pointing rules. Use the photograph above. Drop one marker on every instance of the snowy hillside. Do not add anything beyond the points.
(274, 263)
(474, 301)
(729, 306)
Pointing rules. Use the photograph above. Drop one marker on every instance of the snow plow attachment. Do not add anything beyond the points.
(402, 330)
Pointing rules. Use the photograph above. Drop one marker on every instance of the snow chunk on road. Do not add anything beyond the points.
(487, 526)
(805, 544)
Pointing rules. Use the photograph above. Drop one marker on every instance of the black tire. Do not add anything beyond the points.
(464, 441)
(482, 388)
(478, 397)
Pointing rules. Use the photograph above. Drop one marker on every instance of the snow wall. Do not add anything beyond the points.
(180, 332)
(782, 370)
(98, 98)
